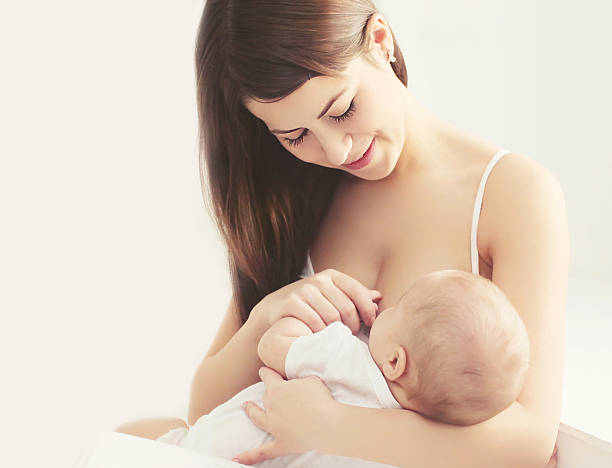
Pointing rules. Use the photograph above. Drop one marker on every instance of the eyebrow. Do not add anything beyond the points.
(323, 112)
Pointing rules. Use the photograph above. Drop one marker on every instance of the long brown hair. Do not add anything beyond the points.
(268, 205)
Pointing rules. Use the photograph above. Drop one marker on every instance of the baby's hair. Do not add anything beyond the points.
(468, 346)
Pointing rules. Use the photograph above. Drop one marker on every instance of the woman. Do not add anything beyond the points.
(289, 98)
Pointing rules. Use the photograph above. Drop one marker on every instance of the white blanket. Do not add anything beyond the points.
(118, 450)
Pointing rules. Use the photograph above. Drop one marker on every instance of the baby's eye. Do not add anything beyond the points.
(347, 115)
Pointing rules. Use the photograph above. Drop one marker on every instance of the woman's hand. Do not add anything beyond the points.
(295, 411)
(319, 300)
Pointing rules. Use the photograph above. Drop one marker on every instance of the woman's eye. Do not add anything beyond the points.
(296, 141)
(349, 112)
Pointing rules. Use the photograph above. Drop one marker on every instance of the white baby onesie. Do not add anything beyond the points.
(335, 355)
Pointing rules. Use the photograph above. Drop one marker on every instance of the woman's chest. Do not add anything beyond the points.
(389, 236)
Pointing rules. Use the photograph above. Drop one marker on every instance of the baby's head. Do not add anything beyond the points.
(455, 345)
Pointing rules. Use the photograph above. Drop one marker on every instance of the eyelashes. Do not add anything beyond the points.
(347, 115)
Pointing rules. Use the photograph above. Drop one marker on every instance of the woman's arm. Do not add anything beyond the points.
(234, 347)
(334, 295)
(529, 248)
(400, 437)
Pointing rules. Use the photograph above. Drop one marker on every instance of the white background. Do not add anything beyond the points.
(112, 277)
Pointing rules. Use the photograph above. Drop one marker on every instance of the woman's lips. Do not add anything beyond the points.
(364, 160)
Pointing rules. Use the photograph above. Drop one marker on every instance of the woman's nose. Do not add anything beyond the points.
(337, 149)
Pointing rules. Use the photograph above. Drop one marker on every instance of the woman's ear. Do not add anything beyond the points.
(396, 363)
(381, 39)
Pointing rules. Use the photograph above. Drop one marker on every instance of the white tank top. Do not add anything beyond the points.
(309, 271)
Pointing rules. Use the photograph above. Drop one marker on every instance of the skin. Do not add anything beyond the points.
(422, 167)
(391, 356)
(409, 211)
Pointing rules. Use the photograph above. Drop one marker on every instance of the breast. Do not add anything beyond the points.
(386, 236)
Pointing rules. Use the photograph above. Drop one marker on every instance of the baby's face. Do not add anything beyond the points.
(380, 333)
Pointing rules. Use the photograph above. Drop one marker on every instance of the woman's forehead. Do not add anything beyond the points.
(303, 105)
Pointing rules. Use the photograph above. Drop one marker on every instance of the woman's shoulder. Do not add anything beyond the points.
(518, 165)
(518, 188)
(516, 176)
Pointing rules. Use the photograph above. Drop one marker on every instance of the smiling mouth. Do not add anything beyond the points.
(360, 157)
(364, 160)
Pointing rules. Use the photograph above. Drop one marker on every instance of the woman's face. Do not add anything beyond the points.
(370, 109)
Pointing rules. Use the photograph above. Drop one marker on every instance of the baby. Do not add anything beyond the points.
(453, 349)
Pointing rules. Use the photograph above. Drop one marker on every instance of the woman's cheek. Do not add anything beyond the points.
(306, 152)
(376, 108)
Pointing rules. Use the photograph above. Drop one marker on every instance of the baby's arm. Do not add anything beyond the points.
(275, 342)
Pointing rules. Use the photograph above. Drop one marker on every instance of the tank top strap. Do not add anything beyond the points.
(308, 270)
(478, 207)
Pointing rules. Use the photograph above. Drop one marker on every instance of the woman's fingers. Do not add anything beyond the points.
(261, 453)
(342, 304)
(316, 299)
(298, 308)
(375, 295)
(271, 449)
(269, 376)
(331, 296)
(255, 414)
(357, 293)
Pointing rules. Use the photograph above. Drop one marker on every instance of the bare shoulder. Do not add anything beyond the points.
(515, 171)
(518, 191)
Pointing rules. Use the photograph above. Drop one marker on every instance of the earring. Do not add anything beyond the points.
(390, 56)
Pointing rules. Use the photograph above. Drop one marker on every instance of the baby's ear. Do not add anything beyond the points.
(396, 364)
